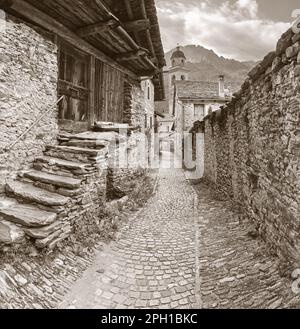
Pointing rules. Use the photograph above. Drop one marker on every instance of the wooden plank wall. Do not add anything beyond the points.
(109, 93)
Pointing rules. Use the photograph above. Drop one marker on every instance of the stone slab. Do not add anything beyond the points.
(10, 233)
(44, 232)
(27, 215)
(73, 165)
(27, 191)
(76, 150)
(55, 180)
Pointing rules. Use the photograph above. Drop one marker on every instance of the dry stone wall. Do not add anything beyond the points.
(125, 168)
(134, 104)
(252, 148)
(28, 85)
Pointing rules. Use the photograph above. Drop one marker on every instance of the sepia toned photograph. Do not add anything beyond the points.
(149, 157)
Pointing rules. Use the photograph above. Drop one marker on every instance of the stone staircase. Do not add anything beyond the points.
(63, 186)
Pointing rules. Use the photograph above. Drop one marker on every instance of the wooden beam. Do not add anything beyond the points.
(92, 84)
(40, 18)
(131, 55)
(150, 73)
(136, 26)
(96, 28)
(119, 28)
(149, 39)
(131, 17)
(5, 4)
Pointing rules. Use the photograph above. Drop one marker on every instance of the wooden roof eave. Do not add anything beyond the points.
(125, 35)
(35, 15)
(38, 17)
(120, 40)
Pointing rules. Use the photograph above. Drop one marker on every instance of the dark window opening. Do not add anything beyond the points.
(254, 182)
(173, 79)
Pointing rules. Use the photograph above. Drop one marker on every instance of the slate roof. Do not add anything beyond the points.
(202, 89)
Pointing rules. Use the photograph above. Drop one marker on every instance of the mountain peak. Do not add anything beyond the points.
(206, 65)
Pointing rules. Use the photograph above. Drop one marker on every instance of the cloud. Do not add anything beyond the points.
(249, 6)
(232, 28)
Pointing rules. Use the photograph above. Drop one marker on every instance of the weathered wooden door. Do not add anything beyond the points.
(74, 85)
(109, 93)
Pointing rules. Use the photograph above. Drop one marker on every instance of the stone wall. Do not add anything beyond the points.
(252, 148)
(134, 104)
(28, 85)
(126, 166)
(121, 180)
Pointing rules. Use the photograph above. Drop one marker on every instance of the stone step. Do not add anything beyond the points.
(92, 144)
(75, 150)
(60, 163)
(11, 233)
(43, 232)
(28, 192)
(28, 215)
(56, 180)
(100, 137)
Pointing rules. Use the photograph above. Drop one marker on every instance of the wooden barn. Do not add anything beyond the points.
(102, 45)
(64, 66)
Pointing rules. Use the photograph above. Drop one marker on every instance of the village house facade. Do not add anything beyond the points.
(193, 100)
(67, 70)
(190, 101)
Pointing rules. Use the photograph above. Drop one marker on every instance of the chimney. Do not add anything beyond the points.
(221, 86)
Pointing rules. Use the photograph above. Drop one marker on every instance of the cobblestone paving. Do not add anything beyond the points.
(236, 271)
(183, 251)
(152, 264)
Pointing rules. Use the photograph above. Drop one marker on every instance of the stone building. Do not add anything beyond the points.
(64, 67)
(189, 101)
(193, 100)
(177, 72)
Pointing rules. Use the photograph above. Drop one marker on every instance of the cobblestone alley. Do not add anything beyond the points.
(182, 250)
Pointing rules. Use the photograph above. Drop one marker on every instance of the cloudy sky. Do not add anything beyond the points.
(239, 29)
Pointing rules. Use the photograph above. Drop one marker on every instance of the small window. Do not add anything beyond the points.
(151, 122)
(173, 62)
(254, 182)
(182, 61)
(183, 77)
(149, 93)
(199, 112)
